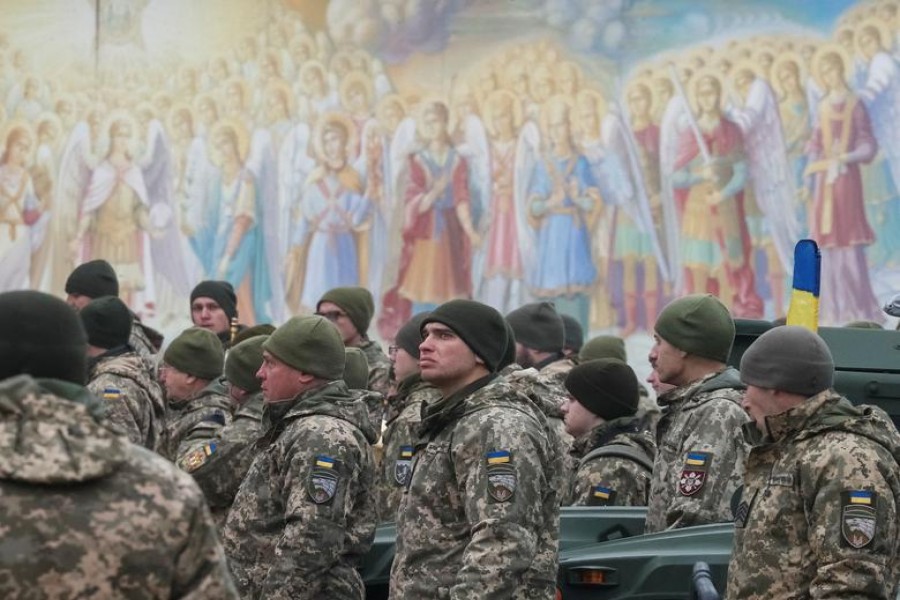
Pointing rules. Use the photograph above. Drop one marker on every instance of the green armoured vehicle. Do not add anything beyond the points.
(603, 555)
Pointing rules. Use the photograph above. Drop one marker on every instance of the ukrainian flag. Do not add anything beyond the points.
(406, 452)
(696, 459)
(860, 497)
(111, 394)
(602, 492)
(498, 457)
(324, 462)
(804, 309)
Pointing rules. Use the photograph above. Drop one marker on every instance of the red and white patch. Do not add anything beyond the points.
(691, 481)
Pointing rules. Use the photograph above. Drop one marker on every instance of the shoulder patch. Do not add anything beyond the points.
(501, 475)
(602, 495)
(403, 465)
(196, 459)
(693, 474)
(112, 393)
(858, 517)
(323, 479)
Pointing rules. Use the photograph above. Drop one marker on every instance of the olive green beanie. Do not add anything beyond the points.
(539, 326)
(791, 359)
(197, 352)
(357, 302)
(309, 344)
(243, 361)
(356, 369)
(603, 346)
(607, 387)
(698, 324)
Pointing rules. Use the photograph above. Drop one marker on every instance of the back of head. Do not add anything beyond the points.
(198, 352)
(409, 337)
(356, 301)
(264, 329)
(538, 326)
(509, 353)
(107, 322)
(607, 387)
(243, 361)
(603, 346)
(791, 359)
(220, 291)
(574, 337)
(93, 279)
(41, 336)
(698, 324)
(356, 369)
(480, 326)
(310, 344)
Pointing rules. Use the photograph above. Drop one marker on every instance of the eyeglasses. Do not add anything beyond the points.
(392, 350)
(332, 315)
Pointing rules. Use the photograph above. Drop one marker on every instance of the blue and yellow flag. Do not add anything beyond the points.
(804, 309)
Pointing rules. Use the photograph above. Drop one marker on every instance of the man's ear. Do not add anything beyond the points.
(305, 378)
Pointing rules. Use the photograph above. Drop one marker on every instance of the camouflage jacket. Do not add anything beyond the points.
(86, 514)
(557, 369)
(819, 513)
(145, 340)
(399, 439)
(612, 479)
(700, 453)
(134, 400)
(220, 464)
(379, 378)
(195, 421)
(305, 513)
(480, 518)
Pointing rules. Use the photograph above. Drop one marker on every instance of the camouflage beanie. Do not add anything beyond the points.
(791, 359)
(41, 336)
(107, 322)
(538, 326)
(481, 327)
(603, 346)
(509, 354)
(243, 361)
(698, 324)
(198, 352)
(607, 387)
(356, 369)
(220, 291)
(357, 302)
(309, 344)
(93, 279)
(410, 335)
(574, 333)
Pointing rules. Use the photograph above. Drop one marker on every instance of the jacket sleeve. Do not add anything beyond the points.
(849, 465)
(715, 432)
(610, 481)
(122, 407)
(504, 532)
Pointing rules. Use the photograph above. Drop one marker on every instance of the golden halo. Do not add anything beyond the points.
(240, 132)
(783, 59)
(699, 76)
(309, 66)
(281, 87)
(19, 124)
(424, 106)
(597, 100)
(204, 98)
(830, 49)
(884, 33)
(116, 116)
(48, 117)
(246, 97)
(576, 71)
(183, 109)
(387, 100)
(502, 100)
(552, 107)
(322, 125)
(645, 84)
(356, 78)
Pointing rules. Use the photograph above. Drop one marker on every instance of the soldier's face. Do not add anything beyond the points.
(579, 420)
(341, 320)
(405, 364)
(279, 381)
(179, 385)
(658, 386)
(445, 359)
(77, 301)
(206, 313)
(524, 356)
(667, 361)
(761, 403)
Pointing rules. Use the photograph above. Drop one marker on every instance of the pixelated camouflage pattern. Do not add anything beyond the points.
(703, 416)
(379, 378)
(629, 479)
(648, 410)
(789, 544)
(220, 473)
(140, 408)
(88, 515)
(454, 538)
(401, 429)
(280, 542)
(558, 369)
(196, 420)
(141, 342)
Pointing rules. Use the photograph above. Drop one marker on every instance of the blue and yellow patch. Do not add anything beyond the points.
(498, 457)
(406, 452)
(860, 497)
(696, 459)
(324, 462)
(602, 492)
(111, 393)
(602, 495)
(198, 457)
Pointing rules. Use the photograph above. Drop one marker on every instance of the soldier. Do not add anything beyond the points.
(540, 336)
(700, 444)
(612, 452)
(118, 376)
(574, 337)
(85, 512)
(356, 376)
(819, 512)
(403, 418)
(480, 518)
(198, 403)
(304, 515)
(220, 463)
(351, 310)
(214, 307)
(97, 278)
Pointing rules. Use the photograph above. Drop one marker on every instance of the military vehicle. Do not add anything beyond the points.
(603, 554)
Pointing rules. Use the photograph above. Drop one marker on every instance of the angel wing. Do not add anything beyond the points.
(294, 166)
(528, 154)
(476, 150)
(619, 141)
(881, 95)
(373, 166)
(770, 172)
(267, 277)
(673, 123)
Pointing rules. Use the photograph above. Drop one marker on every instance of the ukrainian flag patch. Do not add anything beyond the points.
(111, 393)
(602, 495)
(198, 457)
(861, 497)
(498, 457)
(696, 459)
(859, 518)
(324, 462)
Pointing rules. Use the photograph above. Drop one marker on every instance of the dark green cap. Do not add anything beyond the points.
(538, 326)
(309, 344)
(480, 326)
(603, 346)
(607, 387)
(197, 352)
(243, 361)
(356, 369)
(107, 322)
(698, 324)
(357, 302)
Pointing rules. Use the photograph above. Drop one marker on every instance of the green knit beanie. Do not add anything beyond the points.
(698, 324)
(607, 387)
(309, 344)
(409, 337)
(197, 352)
(356, 369)
(357, 302)
(243, 361)
(538, 326)
(603, 346)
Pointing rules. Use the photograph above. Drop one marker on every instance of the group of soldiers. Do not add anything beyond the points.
(291, 444)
